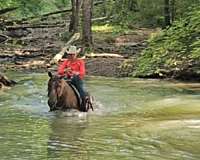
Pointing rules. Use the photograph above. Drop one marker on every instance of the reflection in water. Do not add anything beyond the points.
(66, 140)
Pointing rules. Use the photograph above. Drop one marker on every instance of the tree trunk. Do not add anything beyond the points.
(133, 5)
(104, 8)
(74, 22)
(87, 23)
(72, 17)
(5, 10)
(167, 13)
(173, 10)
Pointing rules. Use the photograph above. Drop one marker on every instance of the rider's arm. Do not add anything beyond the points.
(61, 68)
(82, 69)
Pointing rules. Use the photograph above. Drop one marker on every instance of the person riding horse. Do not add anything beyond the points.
(73, 69)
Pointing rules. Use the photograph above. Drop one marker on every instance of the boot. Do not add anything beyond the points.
(83, 105)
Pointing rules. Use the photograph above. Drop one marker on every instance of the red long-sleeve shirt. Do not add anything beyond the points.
(77, 68)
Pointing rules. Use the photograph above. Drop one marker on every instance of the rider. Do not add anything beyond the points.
(73, 68)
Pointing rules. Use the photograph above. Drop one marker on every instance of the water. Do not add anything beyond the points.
(133, 120)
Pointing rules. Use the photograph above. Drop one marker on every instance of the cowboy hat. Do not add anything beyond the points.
(73, 50)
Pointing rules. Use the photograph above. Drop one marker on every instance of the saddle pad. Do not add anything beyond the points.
(76, 93)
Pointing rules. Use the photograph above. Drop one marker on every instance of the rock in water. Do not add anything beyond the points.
(4, 81)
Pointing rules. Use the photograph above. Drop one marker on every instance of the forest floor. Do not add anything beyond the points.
(30, 47)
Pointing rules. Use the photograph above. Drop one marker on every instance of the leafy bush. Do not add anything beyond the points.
(174, 50)
(28, 8)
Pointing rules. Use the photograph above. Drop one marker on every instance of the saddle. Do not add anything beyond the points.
(84, 104)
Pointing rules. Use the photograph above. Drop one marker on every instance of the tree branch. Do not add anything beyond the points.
(5, 10)
(59, 56)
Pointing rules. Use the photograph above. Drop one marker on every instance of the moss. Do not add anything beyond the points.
(109, 28)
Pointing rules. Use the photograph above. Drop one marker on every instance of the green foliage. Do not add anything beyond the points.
(108, 28)
(65, 36)
(174, 49)
(28, 8)
(126, 68)
(148, 13)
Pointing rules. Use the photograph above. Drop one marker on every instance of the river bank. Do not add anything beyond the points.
(31, 49)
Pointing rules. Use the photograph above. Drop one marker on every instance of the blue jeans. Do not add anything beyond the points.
(78, 83)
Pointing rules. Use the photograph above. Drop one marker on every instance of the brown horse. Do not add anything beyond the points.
(62, 96)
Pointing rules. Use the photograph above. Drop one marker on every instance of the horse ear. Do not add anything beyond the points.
(50, 74)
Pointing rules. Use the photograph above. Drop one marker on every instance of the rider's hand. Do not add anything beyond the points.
(67, 70)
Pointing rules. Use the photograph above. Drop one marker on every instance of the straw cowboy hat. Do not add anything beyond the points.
(73, 50)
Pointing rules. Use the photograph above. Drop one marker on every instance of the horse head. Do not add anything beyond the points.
(56, 86)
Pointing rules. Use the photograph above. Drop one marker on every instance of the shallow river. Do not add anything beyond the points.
(133, 120)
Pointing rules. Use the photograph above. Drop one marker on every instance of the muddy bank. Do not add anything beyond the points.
(108, 67)
(31, 47)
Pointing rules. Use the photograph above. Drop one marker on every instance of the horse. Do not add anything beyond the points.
(63, 97)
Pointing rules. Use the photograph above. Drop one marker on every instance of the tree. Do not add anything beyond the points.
(87, 23)
(167, 12)
(74, 21)
(173, 10)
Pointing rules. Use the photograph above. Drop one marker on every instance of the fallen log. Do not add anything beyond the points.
(3, 38)
(24, 20)
(101, 19)
(4, 81)
(6, 55)
(25, 53)
(21, 52)
(103, 55)
(56, 12)
(5, 10)
(98, 2)
(59, 56)
(17, 33)
(33, 26)
(31, 63)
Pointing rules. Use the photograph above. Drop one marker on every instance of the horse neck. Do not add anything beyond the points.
(66, 89)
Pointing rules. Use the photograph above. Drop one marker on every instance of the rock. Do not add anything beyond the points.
(18, 33)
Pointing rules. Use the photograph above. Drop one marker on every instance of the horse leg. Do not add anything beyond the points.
(89, 103)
